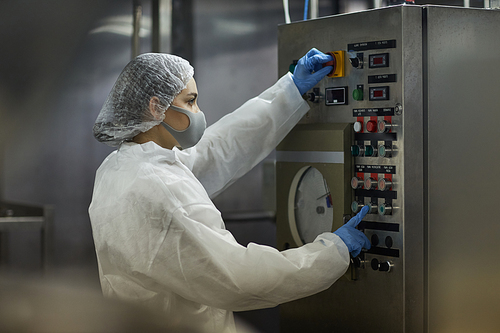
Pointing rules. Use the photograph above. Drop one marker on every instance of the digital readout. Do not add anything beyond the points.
(379, 60)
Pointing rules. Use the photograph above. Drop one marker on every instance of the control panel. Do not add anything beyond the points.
(406, 111)
(363, 96)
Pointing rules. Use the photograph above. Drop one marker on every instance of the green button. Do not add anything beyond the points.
(355, 207)
(355, 150)
(357, 94)
(369, 151)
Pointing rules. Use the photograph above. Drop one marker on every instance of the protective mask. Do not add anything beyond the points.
(192, 134)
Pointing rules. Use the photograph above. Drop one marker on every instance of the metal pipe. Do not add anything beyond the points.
(137, 15)
(314, 9)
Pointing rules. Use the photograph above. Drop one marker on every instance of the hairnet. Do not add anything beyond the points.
(126, 110)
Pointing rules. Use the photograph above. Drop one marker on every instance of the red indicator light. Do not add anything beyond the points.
(371, 126)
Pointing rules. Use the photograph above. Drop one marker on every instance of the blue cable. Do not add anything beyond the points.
(306, 8)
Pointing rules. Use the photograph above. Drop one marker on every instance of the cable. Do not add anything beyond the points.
(287, 12)
(306, 9)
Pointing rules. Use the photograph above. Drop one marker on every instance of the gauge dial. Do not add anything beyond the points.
(310, 206)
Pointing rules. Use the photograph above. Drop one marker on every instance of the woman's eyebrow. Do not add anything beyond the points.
(193, 94)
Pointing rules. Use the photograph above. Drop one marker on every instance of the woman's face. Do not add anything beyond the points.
(187, 99)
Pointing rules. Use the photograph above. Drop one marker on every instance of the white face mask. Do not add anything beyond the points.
(192, 134)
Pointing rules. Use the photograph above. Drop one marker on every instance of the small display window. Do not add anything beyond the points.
(336, 96)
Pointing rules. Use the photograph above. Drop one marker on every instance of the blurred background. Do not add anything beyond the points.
(58, 62)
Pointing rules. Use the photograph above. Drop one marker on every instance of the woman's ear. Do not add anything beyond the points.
(155, 108)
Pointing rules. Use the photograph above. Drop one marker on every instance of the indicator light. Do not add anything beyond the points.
(371, 126)
(357, 183)
(373, 208)
(357, 94)
(358, 126)
(384, 184)
(370, 151)
(356, 150)
(385, 209)
(384, 126)
(356, 206)
(384, 151)
(370, 184)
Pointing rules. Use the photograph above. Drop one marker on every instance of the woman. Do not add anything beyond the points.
(159, 238)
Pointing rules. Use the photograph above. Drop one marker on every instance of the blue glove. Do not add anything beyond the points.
(309, 70)
(352, 237)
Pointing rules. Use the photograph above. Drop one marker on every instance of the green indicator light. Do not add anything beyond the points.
(369, 151)
(381, 209)
(381, 151)
(355, 150)
(355, 207)
(357, 94)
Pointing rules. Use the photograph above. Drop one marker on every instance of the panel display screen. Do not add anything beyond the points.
(379, 60)
(336, 96)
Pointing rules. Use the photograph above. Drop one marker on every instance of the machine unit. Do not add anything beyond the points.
(410, 129)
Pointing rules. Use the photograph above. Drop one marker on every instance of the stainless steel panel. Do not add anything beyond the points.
(376, 301)
(463, 145)
(446, 65)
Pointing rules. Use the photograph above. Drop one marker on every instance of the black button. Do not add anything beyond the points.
(388, 241)
(374, 240)
(375, 264)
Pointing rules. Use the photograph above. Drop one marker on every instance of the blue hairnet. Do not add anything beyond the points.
(126, 110)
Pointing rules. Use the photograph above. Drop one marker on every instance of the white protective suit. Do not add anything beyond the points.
(160, 240)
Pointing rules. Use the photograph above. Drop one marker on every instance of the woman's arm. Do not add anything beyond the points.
(241, 139)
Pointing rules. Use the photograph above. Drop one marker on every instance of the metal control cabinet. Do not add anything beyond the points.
(421, 94)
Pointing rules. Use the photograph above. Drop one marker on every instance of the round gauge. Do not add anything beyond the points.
(310, 208)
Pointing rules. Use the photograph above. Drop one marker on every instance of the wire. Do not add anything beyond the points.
(287, 12)
(306, 9)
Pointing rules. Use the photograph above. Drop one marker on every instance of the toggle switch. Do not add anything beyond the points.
(382, 266)
(357, 61)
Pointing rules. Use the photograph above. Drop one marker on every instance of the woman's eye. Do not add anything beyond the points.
(191, 101)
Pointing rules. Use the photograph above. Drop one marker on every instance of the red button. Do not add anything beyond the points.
(371, 126)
